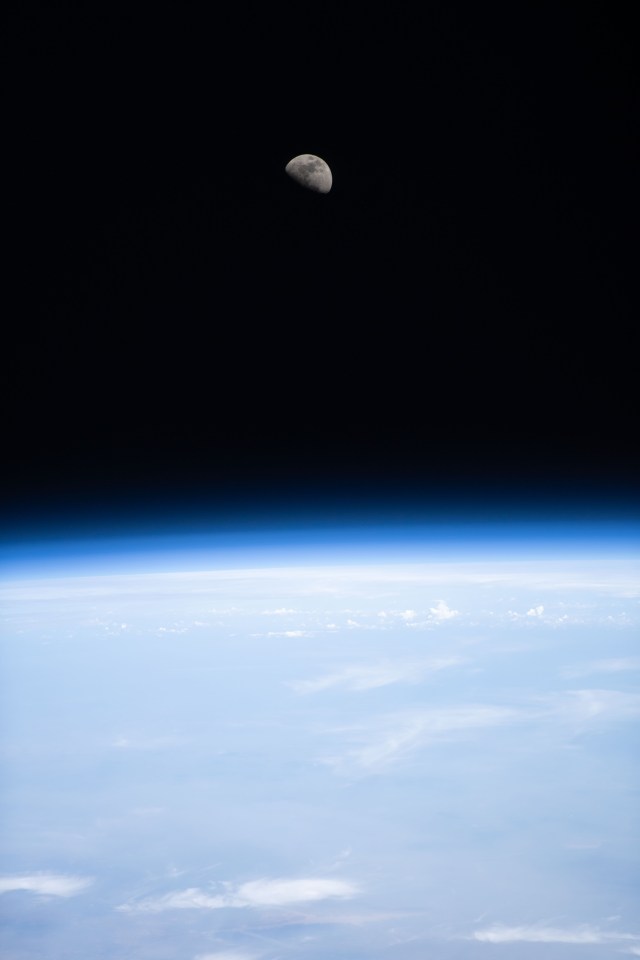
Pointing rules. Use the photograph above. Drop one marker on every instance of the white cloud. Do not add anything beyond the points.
(46, 884)
(539, 933)
(371, 676)
(279, 612)
(287, 633)
(443, 612)
(255, 893)
(408, 615)
(281, 892)
(570, 619)
(536, 611)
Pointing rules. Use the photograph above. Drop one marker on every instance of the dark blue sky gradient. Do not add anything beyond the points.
(315, 537)
(198, 345)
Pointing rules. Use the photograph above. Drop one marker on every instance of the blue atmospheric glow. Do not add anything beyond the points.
(214, 546)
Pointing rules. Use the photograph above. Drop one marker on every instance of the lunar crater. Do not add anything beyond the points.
(311, 172)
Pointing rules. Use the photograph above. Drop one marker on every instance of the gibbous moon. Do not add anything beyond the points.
(310, 172)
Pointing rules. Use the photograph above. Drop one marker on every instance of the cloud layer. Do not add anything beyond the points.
(46, 884)
(539, 933)
(278, 892)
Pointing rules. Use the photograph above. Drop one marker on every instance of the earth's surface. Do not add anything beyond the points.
(403, 752)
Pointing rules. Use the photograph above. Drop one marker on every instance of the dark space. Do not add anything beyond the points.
(185, 327)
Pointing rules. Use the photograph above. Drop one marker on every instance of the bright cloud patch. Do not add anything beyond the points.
(538, 933)
(281, 892)
(46, 884)
(442, 612)
(255, 893)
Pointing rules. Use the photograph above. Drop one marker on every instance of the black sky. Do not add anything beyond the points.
(184, 325)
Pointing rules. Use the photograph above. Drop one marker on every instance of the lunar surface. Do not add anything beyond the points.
(310, 172)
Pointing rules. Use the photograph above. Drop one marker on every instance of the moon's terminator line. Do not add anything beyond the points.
(311, 172)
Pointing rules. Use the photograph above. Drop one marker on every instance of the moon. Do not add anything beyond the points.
(310, 172)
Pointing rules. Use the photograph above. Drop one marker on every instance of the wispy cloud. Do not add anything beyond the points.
(369, 676)
(279, 892)
(360, 919)
(540, 933)
(46, 884)
(381, 742)
(392, 738)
